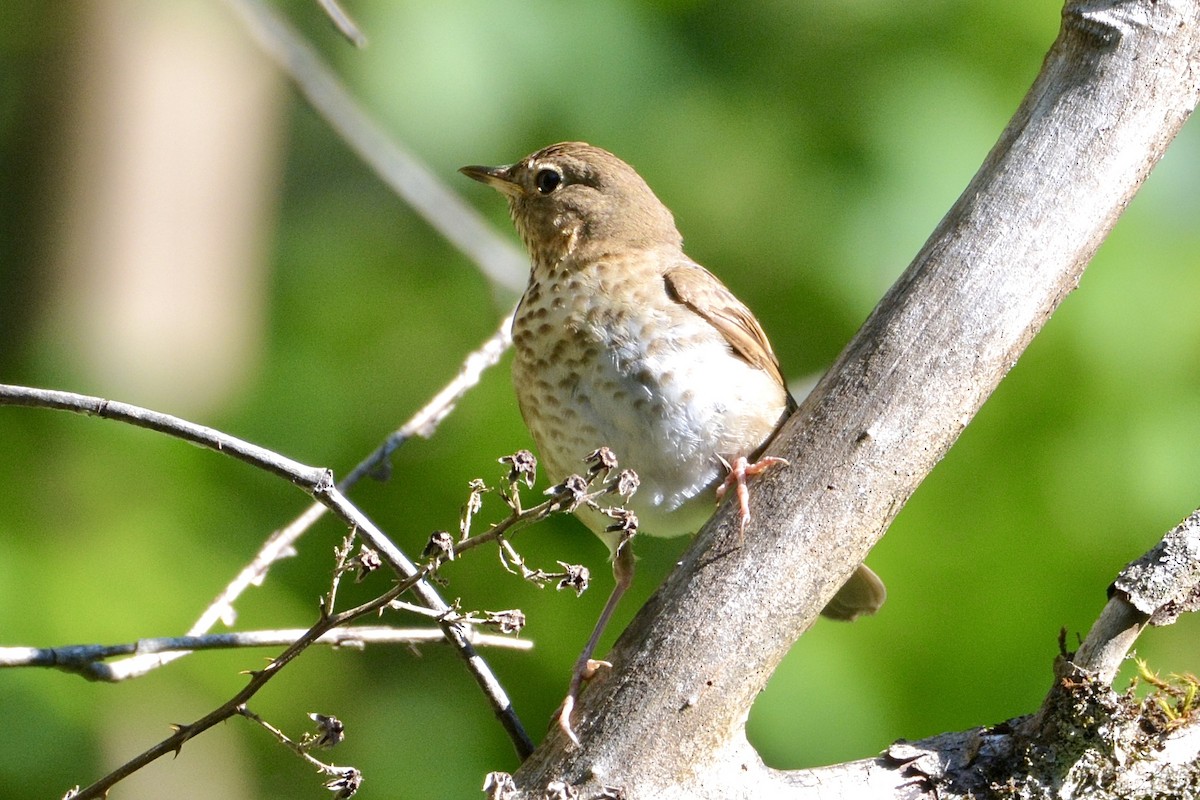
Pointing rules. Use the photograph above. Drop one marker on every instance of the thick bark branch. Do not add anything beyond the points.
(668, 719)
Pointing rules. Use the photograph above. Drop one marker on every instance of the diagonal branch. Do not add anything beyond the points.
(345, 25)
(1115, 88)
(415, 183)
(972, 763)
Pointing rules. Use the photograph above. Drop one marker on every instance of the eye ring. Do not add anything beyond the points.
(547, 180)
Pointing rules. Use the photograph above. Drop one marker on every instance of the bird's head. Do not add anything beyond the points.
(573, 196)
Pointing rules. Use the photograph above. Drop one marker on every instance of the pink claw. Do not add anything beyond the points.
(739, 471)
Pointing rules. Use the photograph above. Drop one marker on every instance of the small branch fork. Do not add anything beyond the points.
(258, 679)
(343, 781)
(565, 497)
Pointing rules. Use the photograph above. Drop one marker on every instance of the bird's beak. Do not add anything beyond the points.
(499, 178)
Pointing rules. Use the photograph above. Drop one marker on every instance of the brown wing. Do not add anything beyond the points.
(701, 291)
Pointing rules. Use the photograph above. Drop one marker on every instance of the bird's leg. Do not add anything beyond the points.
(739, 472)
(585, 667)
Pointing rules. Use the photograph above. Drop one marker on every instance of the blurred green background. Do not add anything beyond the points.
(181, 232)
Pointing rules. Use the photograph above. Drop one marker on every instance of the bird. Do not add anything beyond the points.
(622, 341)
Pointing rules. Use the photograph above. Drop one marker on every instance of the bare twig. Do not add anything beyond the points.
(1110, 639)
(348, 779)
(457, 221)
(342, 21)
(88, 659)
(564, 498)
(560, 500)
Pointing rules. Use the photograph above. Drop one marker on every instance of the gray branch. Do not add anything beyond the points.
(1153, 590)
(88, 660)
(667, 721)
(345, 25)
(1165, 582)
(497, 258)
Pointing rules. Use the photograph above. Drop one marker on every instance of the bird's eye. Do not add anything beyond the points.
(547, 180)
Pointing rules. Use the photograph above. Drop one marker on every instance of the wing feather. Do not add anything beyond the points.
(702, 292)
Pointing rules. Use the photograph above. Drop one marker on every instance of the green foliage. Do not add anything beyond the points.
(807, 150)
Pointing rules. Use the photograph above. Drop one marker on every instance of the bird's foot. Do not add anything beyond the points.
(739, 472)
(584, 672)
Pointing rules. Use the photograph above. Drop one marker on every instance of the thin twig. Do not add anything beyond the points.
(347, 779)
(562, 499)
(342, 21)
(302, 475)
(443, 209)
(88, 659)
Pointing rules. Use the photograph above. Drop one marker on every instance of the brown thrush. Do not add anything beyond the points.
(623, 341)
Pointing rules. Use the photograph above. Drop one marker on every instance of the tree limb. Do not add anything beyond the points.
(668, 719)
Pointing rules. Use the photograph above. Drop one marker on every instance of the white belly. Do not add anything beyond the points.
(668, 411)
